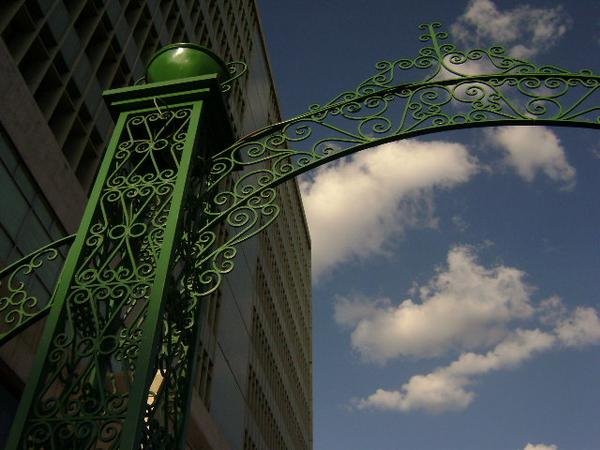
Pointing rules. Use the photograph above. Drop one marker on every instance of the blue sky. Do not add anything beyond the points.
(455, 276)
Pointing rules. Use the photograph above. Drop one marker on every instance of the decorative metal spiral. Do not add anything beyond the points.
(451, 89)
(83, 397)
(19, 306)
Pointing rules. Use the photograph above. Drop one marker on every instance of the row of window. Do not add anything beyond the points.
(208, 331)
(301, 347)
(263, 414)
(268, 362)
(58, 53)
(295, 294)
(289, 238)
(26, 221)
(248, 441)
(277, 333)
(69, 53)
(205, 373)
(298, 234)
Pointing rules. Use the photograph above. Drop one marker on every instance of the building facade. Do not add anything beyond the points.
(253, 386)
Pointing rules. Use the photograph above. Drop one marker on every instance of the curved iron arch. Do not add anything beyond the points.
(459, 90)
(452, 95)
(20, 307)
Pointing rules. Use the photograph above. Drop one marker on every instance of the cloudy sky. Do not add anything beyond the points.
(455, 276)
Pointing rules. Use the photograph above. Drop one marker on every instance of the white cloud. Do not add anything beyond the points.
(579, 329)
(355, 205)
(551, 310)
(540, 447)
(446, 388)
(466, 306)
(525, 29)
(533, 149)
(433, 393)
(450, 70)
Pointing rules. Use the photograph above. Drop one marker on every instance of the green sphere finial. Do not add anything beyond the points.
(183, 60)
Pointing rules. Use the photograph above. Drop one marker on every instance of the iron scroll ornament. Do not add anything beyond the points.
(508, 91)
(461, 89)
(239, 193)
(20, 306)
(235, 198)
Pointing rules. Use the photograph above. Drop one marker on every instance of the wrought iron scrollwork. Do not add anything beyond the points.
(205, 253)
(452, 89)
(19, 306)
(236, 70)
(444, 61)
(83, 396)
(84, 392)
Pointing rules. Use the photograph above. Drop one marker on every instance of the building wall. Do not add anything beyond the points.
(253, 386)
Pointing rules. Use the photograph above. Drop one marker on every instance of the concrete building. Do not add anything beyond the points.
(56, 57)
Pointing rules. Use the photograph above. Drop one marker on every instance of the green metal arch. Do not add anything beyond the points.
(250, 206)
(457, 89)
(19, 307)
(506, 91)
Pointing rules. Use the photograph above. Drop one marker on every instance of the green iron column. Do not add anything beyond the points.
(114, 365)
(116, 360)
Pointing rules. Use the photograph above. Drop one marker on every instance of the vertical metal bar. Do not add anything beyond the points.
(132, 427)
(89, 385)
(17, 432)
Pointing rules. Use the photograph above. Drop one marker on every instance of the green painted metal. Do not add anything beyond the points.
(151, 328)
(183, 60)
(19, 306)
(106, 330)
(116, 364)
(452, 89)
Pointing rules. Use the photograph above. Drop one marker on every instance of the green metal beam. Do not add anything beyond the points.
(89, 387)
(116, 362)
(20, 307)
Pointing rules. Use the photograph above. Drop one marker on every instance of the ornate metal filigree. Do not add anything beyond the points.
(444, 61)
(84, 390)
(456, 90)
(172, 382)
(236, 70)
(20, 307)
(82, 397)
